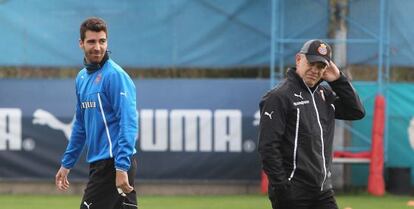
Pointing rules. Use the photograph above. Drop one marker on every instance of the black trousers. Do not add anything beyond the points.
(299, 197)
(101, 192)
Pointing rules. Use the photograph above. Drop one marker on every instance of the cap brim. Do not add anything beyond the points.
(316, 58)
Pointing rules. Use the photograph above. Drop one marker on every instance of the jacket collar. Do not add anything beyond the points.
(93, 67)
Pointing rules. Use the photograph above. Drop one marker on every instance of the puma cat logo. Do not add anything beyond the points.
(269, 114)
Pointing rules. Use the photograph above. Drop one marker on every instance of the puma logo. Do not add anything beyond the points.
(84, 202)
(269, 114)
(298, 95)
(43, 117)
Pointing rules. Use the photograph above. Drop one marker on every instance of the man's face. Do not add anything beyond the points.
(311, 73)
(94, 46)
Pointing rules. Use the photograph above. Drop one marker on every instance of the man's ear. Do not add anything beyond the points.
(80, 44)
(298, 58)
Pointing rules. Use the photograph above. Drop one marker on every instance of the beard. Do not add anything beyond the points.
(94, 57)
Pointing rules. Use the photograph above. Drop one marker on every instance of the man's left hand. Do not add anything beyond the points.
(331, 73)
(122, 181)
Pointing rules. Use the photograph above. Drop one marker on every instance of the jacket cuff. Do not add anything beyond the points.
(66, 165)
(121, 169)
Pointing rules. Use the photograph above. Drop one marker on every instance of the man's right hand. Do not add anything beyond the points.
(122, 182)
(61, 179)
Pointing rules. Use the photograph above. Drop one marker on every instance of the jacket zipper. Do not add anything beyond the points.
(322, 143)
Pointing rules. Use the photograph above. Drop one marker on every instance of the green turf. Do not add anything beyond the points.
(361, 201)
(365, 201)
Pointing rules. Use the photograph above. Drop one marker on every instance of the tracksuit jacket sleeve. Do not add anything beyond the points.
(77, 139)
(273, 115)
(348, 106)
(123, 99)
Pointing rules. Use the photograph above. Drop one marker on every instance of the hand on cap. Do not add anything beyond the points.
(331, 73)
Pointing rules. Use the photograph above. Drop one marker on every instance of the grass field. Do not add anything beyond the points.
(361, 201)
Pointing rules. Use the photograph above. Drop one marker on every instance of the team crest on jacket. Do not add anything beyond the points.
(98, 78)
(322, 95)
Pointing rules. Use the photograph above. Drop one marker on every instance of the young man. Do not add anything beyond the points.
(297, 128)
(107, 121)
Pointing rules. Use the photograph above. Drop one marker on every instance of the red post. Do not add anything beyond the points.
(376, 168)
(263, 184)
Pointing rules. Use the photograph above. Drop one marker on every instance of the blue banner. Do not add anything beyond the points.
(364, 23)
(189, 129)
(155, 33)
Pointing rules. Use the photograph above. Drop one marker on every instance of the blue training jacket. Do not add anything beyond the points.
(106, 117)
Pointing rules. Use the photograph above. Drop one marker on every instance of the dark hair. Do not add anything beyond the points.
(95, 24)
